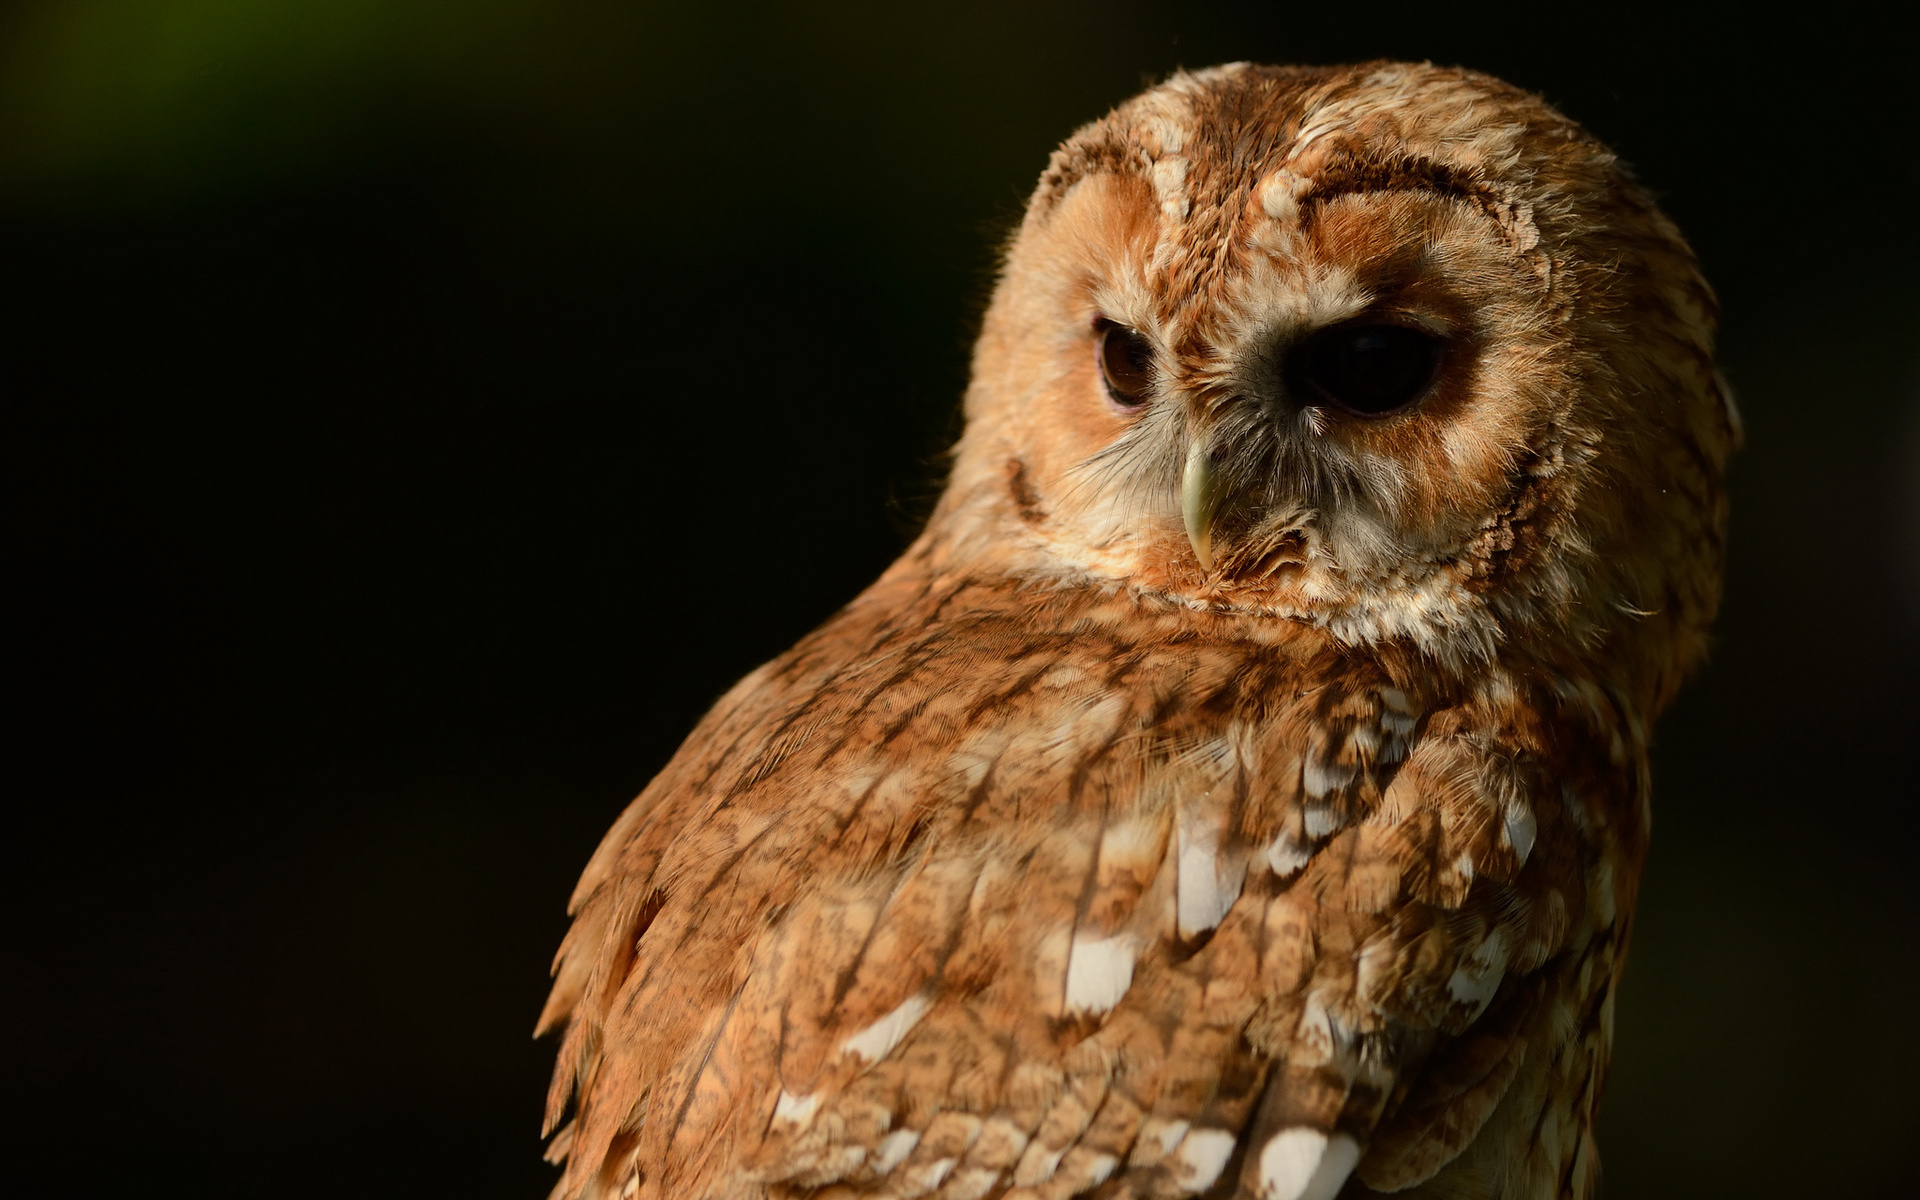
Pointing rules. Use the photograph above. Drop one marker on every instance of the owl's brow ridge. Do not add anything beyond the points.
(1397, 173)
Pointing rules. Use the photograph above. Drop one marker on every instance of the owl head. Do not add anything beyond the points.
(1392, 349)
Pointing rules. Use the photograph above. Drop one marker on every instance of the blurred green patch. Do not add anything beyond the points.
(167, 96)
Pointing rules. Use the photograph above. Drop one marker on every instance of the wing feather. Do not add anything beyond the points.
(986, 910)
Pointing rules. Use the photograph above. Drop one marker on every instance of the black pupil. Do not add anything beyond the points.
(1126, 365)
(1370, 368)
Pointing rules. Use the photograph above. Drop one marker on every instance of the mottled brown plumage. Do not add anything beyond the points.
(1233, 791)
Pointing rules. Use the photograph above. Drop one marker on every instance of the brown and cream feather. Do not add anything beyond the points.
(1228, 794)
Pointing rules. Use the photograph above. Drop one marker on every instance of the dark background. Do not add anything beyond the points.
(419, 411)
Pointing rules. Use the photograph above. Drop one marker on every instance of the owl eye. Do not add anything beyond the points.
(1369, 369)
(1126, 364)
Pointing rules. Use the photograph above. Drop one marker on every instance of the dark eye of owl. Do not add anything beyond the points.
(1126, 364)
(1369, 369)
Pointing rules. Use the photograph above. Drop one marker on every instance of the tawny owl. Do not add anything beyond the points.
(1240, 788)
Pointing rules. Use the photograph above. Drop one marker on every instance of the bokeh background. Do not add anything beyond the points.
(420, 410)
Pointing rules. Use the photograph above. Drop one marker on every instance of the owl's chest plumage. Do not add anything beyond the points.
(991, 888)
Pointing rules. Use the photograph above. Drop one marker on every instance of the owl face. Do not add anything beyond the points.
(1393, 349)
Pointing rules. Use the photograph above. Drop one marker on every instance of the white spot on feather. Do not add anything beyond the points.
(1279, 195)
(1164, 117)
(1287, 856)
(1319, 820)
(931, 1175)
(795, 1110)
(1037, 1165)
(1318, 779)
(1169, 1135)
(1208, 885)
(1203, 1155)
(1099, 972)
(1170, 185)
(1100, 1168)
(1521, 830)
(1497, 689)
(1156, 1139)
(1305, 1164)
(877, 1040)
(1548, 1135)
(1317, 1036)
(894, 1148)
(1364, 740)
(1477, 979)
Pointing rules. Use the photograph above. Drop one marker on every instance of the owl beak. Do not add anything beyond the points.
(1200, 500)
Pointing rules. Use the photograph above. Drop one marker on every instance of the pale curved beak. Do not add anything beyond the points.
(1200, 500)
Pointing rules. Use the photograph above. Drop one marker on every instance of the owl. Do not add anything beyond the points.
(1240, 788)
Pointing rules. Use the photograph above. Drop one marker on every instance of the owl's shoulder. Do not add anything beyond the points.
(1014, 823)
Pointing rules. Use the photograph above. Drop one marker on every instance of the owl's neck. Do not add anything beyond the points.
(985, 530)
